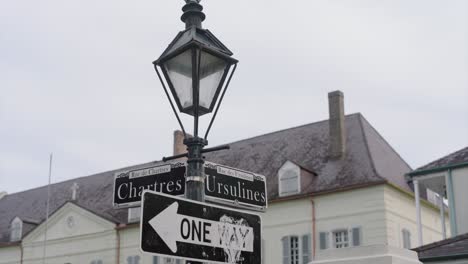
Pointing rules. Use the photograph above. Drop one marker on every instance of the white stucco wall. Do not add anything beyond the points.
(284, 219)
(130, 245)
(460, 187)
(10, 255)
(401, 213)
(381, 211)
(375, 254)
(356, 208)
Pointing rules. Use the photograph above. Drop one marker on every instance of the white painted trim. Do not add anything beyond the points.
(56, 216)
(418, 212)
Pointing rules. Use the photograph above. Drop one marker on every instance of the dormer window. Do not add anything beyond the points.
(16, 228)
(134, 214)
(289, 179)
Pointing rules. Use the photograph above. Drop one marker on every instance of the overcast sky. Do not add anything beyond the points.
(76, 77)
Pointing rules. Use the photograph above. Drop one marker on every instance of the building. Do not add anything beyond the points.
(334, 186)
(447, 177)
(449, 251)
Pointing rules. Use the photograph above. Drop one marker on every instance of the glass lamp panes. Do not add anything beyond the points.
(211, 73)
(179, 71)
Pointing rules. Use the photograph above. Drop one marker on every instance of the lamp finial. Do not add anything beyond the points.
(193, 15)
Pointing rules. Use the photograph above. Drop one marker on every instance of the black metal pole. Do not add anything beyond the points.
(195, 178)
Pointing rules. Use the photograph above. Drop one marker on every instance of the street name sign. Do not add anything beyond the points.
(166, 178)
(172, 226)
(235, 187)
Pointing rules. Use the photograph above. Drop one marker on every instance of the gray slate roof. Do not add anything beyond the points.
(457, 157)
(369, 159)
(445, 249)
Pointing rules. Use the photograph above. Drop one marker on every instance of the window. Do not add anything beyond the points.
(306, 248)
(96, 261)
(16, 229)
(133, 260)
(134, 214)
(289, 179)
(406, 234)
(296, 249)
(323, 237)
(340, 239)
(356, 233)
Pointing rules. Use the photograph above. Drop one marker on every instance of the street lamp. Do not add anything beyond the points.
(197, 68)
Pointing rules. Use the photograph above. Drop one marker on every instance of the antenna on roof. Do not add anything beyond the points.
(47, 209)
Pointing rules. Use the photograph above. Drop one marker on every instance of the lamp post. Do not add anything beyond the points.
(197, 68)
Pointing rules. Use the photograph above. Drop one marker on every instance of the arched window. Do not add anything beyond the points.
(296, 249)
(406, 235)
(289, 180)
(16, 229)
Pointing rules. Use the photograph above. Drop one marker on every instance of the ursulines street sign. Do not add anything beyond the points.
(129, 185)
(172, 226)
(235, 187)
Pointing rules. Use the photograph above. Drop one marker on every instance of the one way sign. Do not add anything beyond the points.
(186, 229)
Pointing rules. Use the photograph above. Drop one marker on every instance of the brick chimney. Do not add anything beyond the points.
(179, 147)
(337, 129)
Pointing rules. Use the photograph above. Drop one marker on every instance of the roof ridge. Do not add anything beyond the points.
(366, 144)
(386, 142)
(282, 130)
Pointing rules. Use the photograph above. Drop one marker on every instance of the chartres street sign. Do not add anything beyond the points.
(129, 185)
(235, 187)
(176, 227)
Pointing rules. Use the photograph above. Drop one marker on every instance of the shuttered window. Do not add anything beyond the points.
(323, 237)
(155, 260)
(297, 249)
(340, 239)
(306, 248)
(406, 234)
(133, 260)
(356, 233)
(286, 251)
